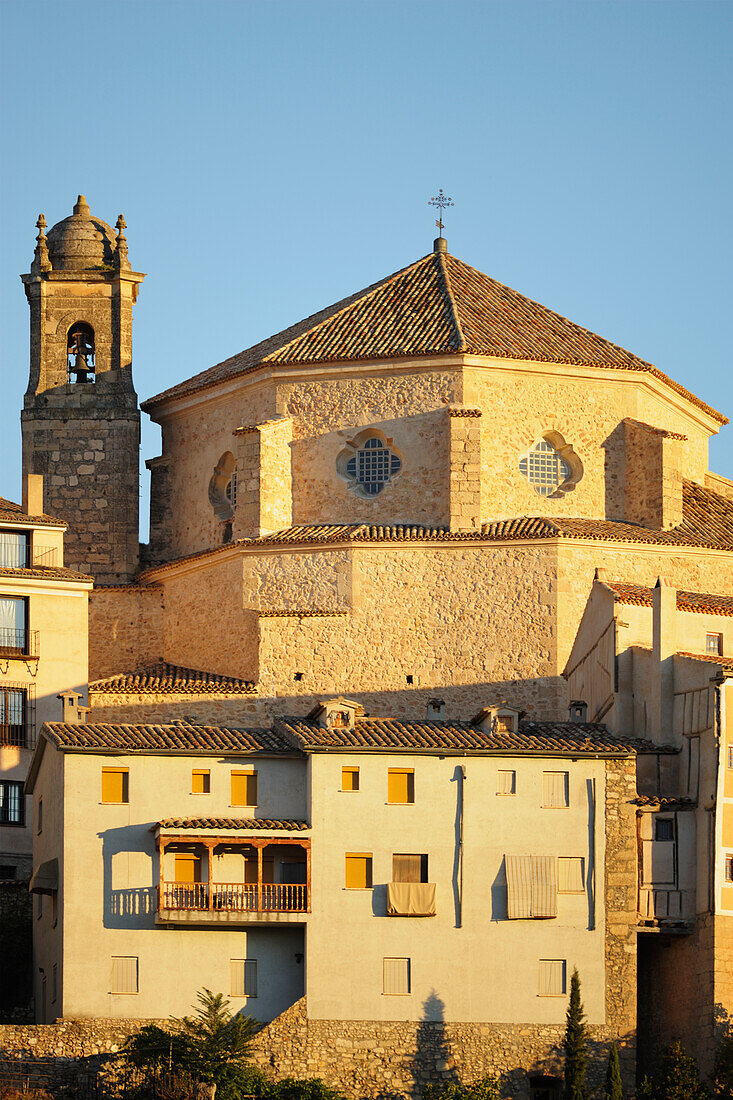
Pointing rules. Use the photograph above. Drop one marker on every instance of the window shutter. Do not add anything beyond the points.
(571, 875)
(519, 887)
(236, 977)
(244, 788)
(349, 779)
(124, 974)
(396, 977)
(552, 977)
(506, 783)
(250, 977)
(115, 785)
(555, 789)
(544, 886)
(658, 859)
(200, 782)
(358, 871)
(400, 786)
(407, 868)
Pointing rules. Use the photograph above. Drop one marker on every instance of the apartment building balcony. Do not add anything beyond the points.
(18, 644)
(237, 876)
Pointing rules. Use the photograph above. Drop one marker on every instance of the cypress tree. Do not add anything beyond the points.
(613, 1089)
(576, 1044)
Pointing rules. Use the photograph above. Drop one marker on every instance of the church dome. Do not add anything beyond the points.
(81, 242)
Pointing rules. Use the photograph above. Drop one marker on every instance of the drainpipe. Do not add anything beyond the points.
(462, 774)
(592, 853)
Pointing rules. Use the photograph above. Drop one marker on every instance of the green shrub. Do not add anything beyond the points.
(486, 1088)
(676, 1079)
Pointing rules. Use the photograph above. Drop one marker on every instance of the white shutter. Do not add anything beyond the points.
(519, 887)
(571, 877)
(396, 977)
(658, 862)
(243, 977)
(124, 974)
(555, 789)
(506, 782)
(552, 977)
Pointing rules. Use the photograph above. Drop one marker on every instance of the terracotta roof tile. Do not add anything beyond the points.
(702, 603)
(50, 573)
(661, 801)
(387, 735)
(232, 823)
(164, 678)
(436, 306)
(10, 512)
(177, 737)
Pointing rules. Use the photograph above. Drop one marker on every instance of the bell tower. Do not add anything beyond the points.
(80, 418)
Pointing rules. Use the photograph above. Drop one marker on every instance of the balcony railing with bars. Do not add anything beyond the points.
(234, 897)
(28, 557)
(18, 643)
(17, 716)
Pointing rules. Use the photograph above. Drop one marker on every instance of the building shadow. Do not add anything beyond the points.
(433, 1060)
(129, 863)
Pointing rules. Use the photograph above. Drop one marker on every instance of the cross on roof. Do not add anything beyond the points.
(442, 202)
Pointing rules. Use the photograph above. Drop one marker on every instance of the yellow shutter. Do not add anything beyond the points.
(200, 782)
(349, 779)
(187, 867)
(358, 871)
(244, 788)
(114, 785)
(400, 785)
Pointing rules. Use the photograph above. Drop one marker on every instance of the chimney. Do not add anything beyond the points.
(436, 710)
(33, 494)
(664, 647)
(578, 711)
(73, 712)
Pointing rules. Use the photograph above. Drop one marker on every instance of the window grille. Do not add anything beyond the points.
(12, 803)
(664, 828)
(124, 977)
(18, 715)
(544, 469)
(231, 489)
(373, 466)
(396, 977)
(553, 977)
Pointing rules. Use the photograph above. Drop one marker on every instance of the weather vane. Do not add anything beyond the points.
(442, 202)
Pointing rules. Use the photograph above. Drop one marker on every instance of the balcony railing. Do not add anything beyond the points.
(18, 643)
(22, 556)
(234, 897)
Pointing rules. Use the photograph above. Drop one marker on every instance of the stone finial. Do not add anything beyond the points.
(121, 260)
(81, 206)
(41, 259)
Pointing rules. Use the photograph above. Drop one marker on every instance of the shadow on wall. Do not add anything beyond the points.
(129, 866)
(433, 1059)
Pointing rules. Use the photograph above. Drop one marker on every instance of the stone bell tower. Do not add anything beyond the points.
(80, 420)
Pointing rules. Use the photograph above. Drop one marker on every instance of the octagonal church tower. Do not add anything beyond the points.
(80, 421)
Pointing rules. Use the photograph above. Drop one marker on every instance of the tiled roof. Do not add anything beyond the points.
(10, 512)
(232, 823)
(726, 663)
(177, 737)
(702, 603)
(436, 306)
(164, 678)
(661, 801)
(387, 735)
(49, 573)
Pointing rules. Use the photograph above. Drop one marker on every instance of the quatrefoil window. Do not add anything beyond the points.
(368, 463)
(551, 466)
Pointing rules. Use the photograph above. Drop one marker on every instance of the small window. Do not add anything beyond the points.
(244, 788)
(730, 756)
(243, 977)
(409, 867)
(571, 875)
(664, 828)
(54, 982)
(231, 489)
(729, 868)
(13, 712)
(13, 550)
(555, 790)
(400, 785)
(372, 466)
(115, 785)
(200, 782)
(358, 870)
(12, 803)
(552, 977)
(396, 977)
(187, 867)
(124, 978)
(13, 626)
(39, 817)
(506, 782)
(544, 469)
(349, 779)
(714, 644)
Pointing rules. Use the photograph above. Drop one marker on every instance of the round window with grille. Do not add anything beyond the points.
(551, 466)
(369, 463)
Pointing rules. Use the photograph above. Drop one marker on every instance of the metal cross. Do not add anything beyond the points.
(442, 202)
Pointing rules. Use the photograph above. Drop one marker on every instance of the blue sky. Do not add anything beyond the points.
(271, 158)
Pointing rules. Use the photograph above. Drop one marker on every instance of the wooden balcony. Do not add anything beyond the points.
(233, 897)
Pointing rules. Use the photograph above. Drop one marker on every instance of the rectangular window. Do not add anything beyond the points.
(531, 886)
(244, 788)
(13, 716)
(115, 785)
(39, 817)
(349, 779)
(729, 868)
(358, 870)
(400, 785)
(13, 550)
(506, 782)
(408, 867)
(396, 977)
(555, 789)
(730, 756)
(13, 625)
(200, 782)
(552, 977)
(12, 803)
(243, 977)
(664, 828)
(714, 644)
(124, 977)
(187, 867)
(570, 875)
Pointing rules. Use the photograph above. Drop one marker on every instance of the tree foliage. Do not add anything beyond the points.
(676, 1079)
(613, 1090)
(486, 1088)
(724, 1068)
(576, 1044)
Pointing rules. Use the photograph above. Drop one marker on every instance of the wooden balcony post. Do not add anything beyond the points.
(210, 871)
(161, 870)
(308, 876)
(259, 877)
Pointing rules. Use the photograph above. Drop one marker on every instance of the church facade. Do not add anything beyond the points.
(401, 501)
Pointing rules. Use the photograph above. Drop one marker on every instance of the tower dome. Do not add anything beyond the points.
(80, 242)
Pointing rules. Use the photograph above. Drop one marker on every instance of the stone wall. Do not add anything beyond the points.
(125, 629)
(207, 709)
